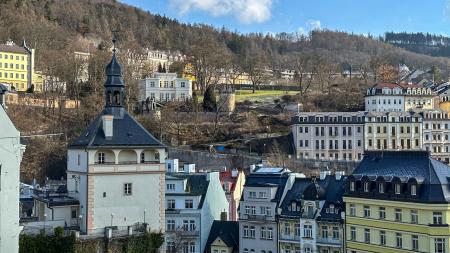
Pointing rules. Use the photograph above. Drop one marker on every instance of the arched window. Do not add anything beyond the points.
(366, 186)
(380, 187)
(109, 97)
(116, 97)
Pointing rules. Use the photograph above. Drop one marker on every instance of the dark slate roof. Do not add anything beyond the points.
(127, 132)
(433, 174)
(268, 180)
(228, 231)
(3, 88)
(332, 193)
(197, 185)
(13, 49)
(114, 73)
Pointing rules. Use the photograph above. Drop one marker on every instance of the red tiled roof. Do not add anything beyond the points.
(416, 86)
(386, 85)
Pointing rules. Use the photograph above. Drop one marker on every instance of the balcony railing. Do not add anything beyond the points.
(330, 241)
(260, 217)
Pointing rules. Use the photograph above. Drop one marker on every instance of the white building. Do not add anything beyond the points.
(393, 130)
(193, 202)
(164, 87)
(10, 157)
(329, 135)
(261, 198)
(436, 134)
(384, 97)
(115, 169)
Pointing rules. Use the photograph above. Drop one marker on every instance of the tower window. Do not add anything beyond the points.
(101, 158)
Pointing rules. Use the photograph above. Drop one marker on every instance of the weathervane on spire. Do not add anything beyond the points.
(114, 40)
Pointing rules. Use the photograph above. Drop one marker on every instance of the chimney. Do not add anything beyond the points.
(223, 216)
(339, 174)
(323, 174)
(107, 121)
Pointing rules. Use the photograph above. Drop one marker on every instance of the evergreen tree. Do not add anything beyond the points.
(209, 100)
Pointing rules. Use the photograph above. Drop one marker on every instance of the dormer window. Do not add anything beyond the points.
(366, 186)
(413, 190)
(381, 188)
(397, 188)
(352, 186)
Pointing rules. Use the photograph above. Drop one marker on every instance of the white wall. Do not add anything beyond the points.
(10, 157)
(384, 103)
(77, 160)
(127, 210)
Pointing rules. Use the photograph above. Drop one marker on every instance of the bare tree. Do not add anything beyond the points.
(255, 66)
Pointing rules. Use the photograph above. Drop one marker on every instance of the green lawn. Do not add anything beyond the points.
(242, 95)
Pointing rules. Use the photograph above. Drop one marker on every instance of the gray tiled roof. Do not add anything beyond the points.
(127, 132)
(228, 231)
(433, 175)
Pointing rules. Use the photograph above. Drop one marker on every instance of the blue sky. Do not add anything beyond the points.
(358, 16)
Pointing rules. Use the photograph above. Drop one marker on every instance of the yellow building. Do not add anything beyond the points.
(38, 81)
(16, 65)
(398, 201)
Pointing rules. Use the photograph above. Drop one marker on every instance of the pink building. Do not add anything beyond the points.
(233, 184)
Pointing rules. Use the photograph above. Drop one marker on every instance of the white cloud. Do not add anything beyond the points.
(310, 25)
(246, 11)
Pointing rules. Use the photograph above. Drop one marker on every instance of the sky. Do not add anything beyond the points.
(275, 16)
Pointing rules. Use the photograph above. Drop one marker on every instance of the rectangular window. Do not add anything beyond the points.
(367, 211)
(415, 242)
(352, 210)
(352, 233)
(269, 233)
(287, 228)
(398, 214)
(382, 237)
(170, 225)
(307, 231)
(127, 189)
(437, 218)
(252, 232)
(263, 233)
(246, 232)
(439, 245)
(297, 229)
(251, 195)
(414, 217)
(170, 204)
(262, 195)
(324, 231)
(382, 213)
(101, 158)
(367, 235)
(398, 240)
(188, 203)
(336, 233)
(170, 186)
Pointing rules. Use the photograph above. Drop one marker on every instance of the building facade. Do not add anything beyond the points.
(116, 168)
(436, 134)
(329, 135)
(10, 158)
(233, 185)
(393, 131)
(398, 97)
(193, 202)
(16, 65)
(398, 201)
(165, 87)
(258, 228)
(312, 215)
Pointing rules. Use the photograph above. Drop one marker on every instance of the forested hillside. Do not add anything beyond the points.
(424, 43)
(59, 25)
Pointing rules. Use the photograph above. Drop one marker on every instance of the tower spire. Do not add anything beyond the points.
(114, 85)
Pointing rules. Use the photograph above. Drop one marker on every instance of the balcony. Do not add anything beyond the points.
(256, 217)
(126, 167)
(183, 232)
(328, 242)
